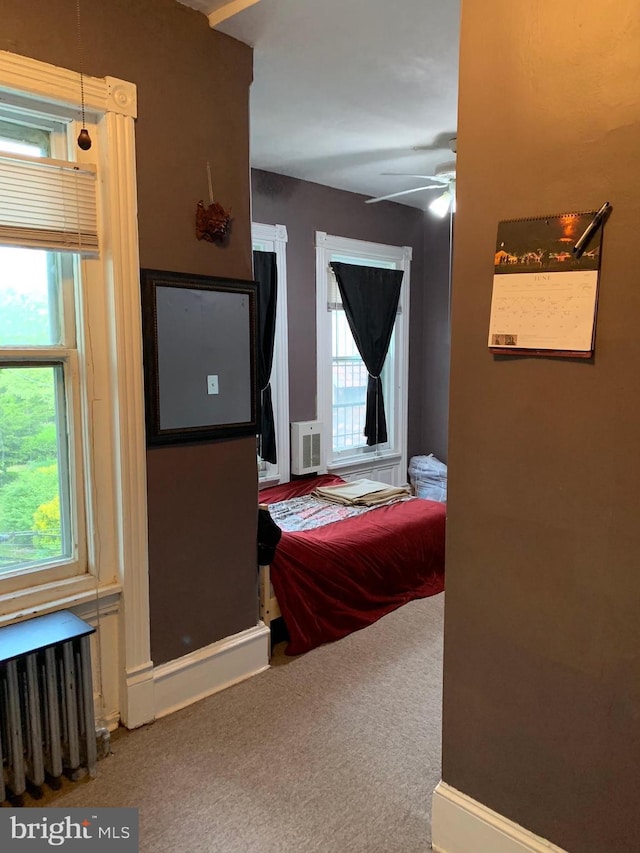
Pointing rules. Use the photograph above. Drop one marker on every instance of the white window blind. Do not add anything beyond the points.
(48, 204)
(334, 302)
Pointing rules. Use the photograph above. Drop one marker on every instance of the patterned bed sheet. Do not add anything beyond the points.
(308, 512)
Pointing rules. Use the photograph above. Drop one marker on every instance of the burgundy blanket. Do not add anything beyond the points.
(333, 580)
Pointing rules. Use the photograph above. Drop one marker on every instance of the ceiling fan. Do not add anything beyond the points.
(444, 179)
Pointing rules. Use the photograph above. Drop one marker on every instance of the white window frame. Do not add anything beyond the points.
(273, 238)
(66, 355)
(111, 387)
(393, 458)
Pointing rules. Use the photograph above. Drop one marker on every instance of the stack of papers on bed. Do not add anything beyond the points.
(362, 493)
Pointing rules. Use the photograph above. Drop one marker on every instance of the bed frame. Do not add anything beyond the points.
(267, 601)
(269, 608)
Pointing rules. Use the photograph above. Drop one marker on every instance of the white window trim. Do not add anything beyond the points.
(118, 553)
(277, 236)
(326, 244)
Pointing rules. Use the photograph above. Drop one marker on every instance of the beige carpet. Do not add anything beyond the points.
(338, 751)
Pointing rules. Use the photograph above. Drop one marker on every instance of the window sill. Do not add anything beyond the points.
(268, 481)
(364, 461)
(16, 606)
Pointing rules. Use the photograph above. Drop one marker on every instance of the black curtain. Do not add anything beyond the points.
(370, 300)
(266, 274)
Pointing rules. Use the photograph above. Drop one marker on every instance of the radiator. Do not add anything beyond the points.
(47, 723)
(306, 447)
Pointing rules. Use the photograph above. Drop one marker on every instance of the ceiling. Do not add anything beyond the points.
(345, 90)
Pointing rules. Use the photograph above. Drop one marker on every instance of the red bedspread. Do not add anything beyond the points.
(333, 580)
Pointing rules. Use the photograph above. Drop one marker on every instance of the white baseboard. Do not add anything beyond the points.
(460, 824)
(181, 682)
(137, 702)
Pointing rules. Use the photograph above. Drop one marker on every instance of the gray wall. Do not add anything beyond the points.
(542, 635)
(193, 87)
(305, 208)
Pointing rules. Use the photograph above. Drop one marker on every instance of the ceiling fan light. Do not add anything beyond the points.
(440, 205)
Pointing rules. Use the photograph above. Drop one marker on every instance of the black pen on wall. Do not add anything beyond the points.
(591, 229)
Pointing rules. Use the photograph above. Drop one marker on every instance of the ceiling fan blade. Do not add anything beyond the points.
(403, 192)
(437, 178)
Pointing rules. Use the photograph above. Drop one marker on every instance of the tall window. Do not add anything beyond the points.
(342, 375)
(273, 238)
(73, 518)
(72, 489)
(41, 478)
(349, 374)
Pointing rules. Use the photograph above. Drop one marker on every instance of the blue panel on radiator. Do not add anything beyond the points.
(40, 633)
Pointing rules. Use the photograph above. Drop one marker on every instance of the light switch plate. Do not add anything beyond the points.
(212, 384)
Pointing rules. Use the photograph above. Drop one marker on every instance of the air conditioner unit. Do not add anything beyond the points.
(306, 447)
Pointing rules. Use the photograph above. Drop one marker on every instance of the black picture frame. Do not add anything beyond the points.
(200, 357)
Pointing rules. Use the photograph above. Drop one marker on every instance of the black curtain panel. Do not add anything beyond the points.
(265, 272)
(370, 300)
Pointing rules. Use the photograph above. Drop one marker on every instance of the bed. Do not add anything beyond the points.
(340, 576)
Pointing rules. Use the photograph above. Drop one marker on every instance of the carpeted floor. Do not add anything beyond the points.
(338, 751)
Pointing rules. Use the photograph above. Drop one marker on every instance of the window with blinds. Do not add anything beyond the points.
(47, 211)
(47, 204)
